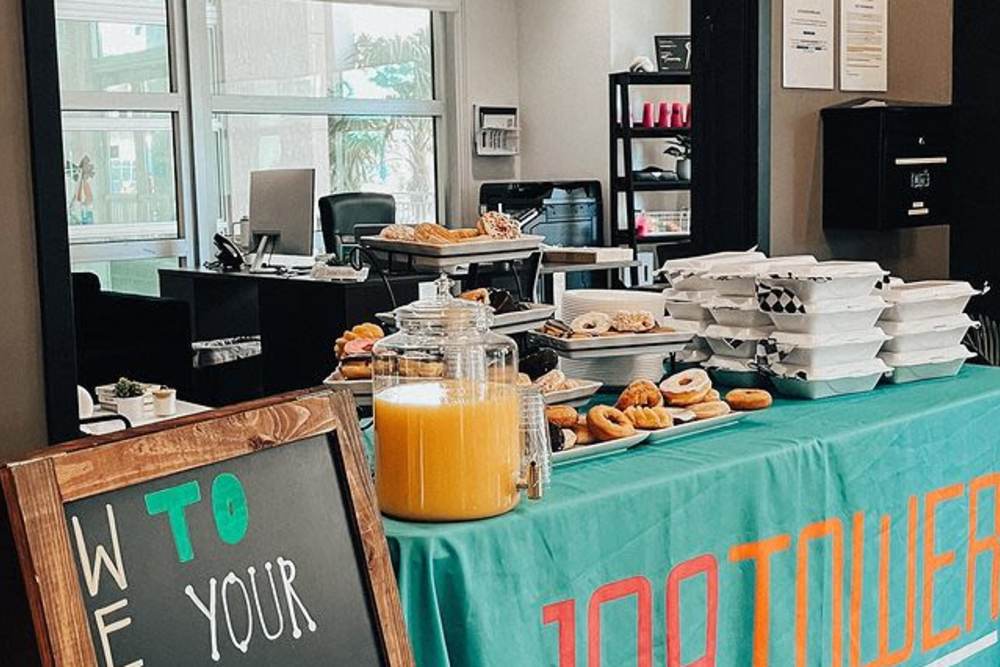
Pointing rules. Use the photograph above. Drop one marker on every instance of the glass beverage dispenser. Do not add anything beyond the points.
(448, 414)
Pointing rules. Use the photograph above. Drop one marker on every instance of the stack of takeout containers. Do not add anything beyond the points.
(617, 371)
(927, 325)
(739, 326)
(825, 340)
(690, 293)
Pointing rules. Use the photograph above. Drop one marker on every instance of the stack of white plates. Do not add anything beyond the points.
(614, 371)
(927, 325)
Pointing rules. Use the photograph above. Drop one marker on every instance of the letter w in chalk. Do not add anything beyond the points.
(229, 509)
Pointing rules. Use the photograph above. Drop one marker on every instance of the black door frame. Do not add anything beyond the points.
(51, 232)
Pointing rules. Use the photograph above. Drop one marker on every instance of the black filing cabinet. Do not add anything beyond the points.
(886, 165)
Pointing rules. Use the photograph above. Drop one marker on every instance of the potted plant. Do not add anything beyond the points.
(680, 148)
(129, 399)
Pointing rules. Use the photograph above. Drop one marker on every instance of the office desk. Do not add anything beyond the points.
(297, 318)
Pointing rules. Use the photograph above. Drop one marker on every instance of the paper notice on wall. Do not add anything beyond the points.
(864, 45)
(807, 37)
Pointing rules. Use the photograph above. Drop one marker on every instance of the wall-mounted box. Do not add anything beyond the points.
(498, 133)
(886, 165)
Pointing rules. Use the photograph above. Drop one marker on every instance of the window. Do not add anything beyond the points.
(348, 89)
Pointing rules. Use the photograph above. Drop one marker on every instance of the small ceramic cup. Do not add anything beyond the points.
(164, 402)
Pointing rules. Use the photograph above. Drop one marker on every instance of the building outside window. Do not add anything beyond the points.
(150, 87)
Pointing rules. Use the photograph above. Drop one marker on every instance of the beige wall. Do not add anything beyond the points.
(22, 413)
(919, 69)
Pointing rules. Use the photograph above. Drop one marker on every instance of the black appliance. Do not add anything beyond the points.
(886, 165)
(566, 213)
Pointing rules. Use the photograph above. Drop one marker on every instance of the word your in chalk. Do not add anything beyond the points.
(244, 613)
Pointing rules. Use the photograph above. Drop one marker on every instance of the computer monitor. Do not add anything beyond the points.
(282, 206)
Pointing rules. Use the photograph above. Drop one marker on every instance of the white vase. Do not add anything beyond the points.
(684, 169)
(131, 409)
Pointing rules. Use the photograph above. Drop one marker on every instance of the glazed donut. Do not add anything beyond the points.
(640, 393)
(428, 232)
(608, 423)
(649, 419)
(710, 409)
(582, 431)
(562, 416)
(633, 322)
(551, 381)
(749, 399)
(686, 388)
(713, 395)
(496, 225)
(593, 324)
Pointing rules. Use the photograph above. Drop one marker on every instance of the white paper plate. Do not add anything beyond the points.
(585, 390)
(584, 452)
(690, 428)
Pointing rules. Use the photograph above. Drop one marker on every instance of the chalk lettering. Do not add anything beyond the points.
(104, 631)
(231, 579)
(287, 570)
(229, 505)
(92, 575)
(209, 613)
(274, 594)
(172, 501)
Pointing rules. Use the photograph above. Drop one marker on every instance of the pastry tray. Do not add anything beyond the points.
(623, 345)
(463, 250)
(361, 389)
(584, 391)
(690, 428)
(586, 452)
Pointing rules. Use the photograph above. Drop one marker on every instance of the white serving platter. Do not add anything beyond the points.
(584, 391)
(585, 452)
(462, 249)
(627, 344)
(690, 428)
(361, 389)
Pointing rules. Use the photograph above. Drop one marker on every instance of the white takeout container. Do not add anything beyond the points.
(733, 372)
(740, 311)
(823, 281)
(686, 273)
(740, 279)
(819, 350)
(930, 334)
(813, 383)
(926, 364)
(927, 299)
(735, 342)
(688, 304)
(828, 317)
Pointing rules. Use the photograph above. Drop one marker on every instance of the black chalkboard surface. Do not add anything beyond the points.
(246, 562)
(245, 536)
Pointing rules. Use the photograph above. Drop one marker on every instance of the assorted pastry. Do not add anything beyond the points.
(646, 406)
(354, 351)
(539, 370)
(595, 324)
(500, 300)
(492, 225)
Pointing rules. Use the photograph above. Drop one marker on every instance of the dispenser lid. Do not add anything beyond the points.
(444, 309)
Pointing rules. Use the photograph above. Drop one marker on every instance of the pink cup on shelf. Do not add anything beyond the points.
(687, 116)
(647, 114)
(678, 114)
(663, 119)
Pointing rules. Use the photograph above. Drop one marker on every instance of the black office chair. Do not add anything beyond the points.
(339, 214)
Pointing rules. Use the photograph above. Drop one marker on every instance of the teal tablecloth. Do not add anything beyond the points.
(815, 533)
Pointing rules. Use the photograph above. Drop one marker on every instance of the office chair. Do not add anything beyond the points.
(340, 213)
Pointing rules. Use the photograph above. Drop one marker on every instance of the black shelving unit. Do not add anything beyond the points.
(623, 133)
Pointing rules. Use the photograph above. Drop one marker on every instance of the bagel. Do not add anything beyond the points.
(686, 388)
(749, 399)
(641, 393)
(608, 423)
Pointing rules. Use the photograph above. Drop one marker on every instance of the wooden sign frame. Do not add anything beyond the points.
(37, 488)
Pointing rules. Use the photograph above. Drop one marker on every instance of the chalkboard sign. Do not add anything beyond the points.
(673, 53)
(248, 537)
